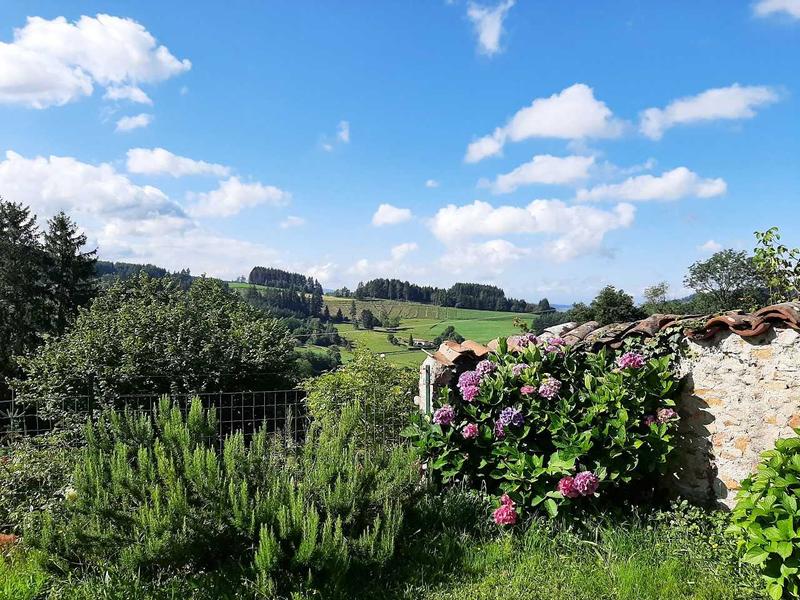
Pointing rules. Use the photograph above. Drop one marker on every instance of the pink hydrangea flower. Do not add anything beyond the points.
(650, 420)
(506, 514)
(555, 344)
(665, 414)
(527, 390)
(519, 369)
(499, 430)
(630, 360)
(469, 431)
(485, 367)
(444, 415)
(470, 392)
(522, 341)
(586, 483)
(549, 388)
(566, 487)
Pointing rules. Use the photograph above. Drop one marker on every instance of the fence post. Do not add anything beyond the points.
(427, 389)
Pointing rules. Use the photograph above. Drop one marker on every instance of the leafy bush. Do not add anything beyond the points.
(154, 496)
(384, 391)
(149, 336)
(766, 520)
(34, 473)
(550, 427)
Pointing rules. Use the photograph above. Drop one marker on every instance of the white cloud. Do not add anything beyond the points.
(764, 8)
(134, 122)
(670, 185)
(128, 92)
(343, 132)
(733, 102)
(400, 251)
(546, 169)
(53, 62)
(292, 221)
(390, 215)
(50, 184)
(158, 161)
(710, 246)
(488, 23)
(578, 229)
(572, 114)
(232, 196)
(431, 183)
(490, 257)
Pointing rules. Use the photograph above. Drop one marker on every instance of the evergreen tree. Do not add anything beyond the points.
(353, 311)
(326, 313)
(410, 340)
(315, 307)
(22, 284)
(70, 271)
(338, 317)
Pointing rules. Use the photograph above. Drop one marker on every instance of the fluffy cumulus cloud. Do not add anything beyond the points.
(158, 161)
(576, 230)
(488, 24)
(400, 251)
(233, 195)
(291, 222)
(139, 121)
(483, 259)
(670, 185)
(728, 103)
(50, 184)
(128, 92)
(572, 114)
(544, 168)
(764, 8)
(390, 215)
(53, 62)
(431, 183)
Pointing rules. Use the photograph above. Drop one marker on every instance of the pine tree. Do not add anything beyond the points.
(315, 307)
(22, 284)
(410, 340)
(338, 317)
(326, 314)
(70, 271)
(353, 311)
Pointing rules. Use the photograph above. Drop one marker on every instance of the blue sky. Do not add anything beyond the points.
(549, 147)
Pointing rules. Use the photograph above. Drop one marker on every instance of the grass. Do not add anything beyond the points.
(452, 552)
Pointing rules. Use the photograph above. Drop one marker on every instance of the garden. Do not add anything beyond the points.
(536, 475)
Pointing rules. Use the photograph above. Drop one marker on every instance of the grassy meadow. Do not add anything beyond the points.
(423, 321)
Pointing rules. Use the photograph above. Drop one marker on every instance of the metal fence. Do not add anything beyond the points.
(276, 410)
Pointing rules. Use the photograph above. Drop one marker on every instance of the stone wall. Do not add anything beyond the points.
(740, 395)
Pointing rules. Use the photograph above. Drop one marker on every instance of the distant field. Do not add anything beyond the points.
(422, 320)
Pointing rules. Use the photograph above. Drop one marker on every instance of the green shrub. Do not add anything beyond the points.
(552, 427)
(766, 520)
(153, 496)
(34, 474)
(384, 391)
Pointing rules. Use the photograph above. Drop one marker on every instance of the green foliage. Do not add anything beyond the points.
(729, 280)
(153, 496)
(599, 421)
(609, 306)
(148, 335)
(384, 391)
(766, 520)
(777, 265)
(34, 474)
(449, 333)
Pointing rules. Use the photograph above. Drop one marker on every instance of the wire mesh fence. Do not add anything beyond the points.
(275, 410)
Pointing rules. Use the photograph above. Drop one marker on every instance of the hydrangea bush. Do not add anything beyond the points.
(549, 427)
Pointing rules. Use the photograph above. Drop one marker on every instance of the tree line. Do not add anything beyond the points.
(459, 295)
(278, 278)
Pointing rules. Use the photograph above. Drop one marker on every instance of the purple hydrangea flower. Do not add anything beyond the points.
(485, 367)
(650, 420)
(527, 390)
(517, 370)
(469, 378)
(444, 415)
(511, 416)
(586, 483)
(470, 392)
(630, 360)
(499, 430)
(555, 344)
(469, 431)
(566, 487)
(549, 388)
